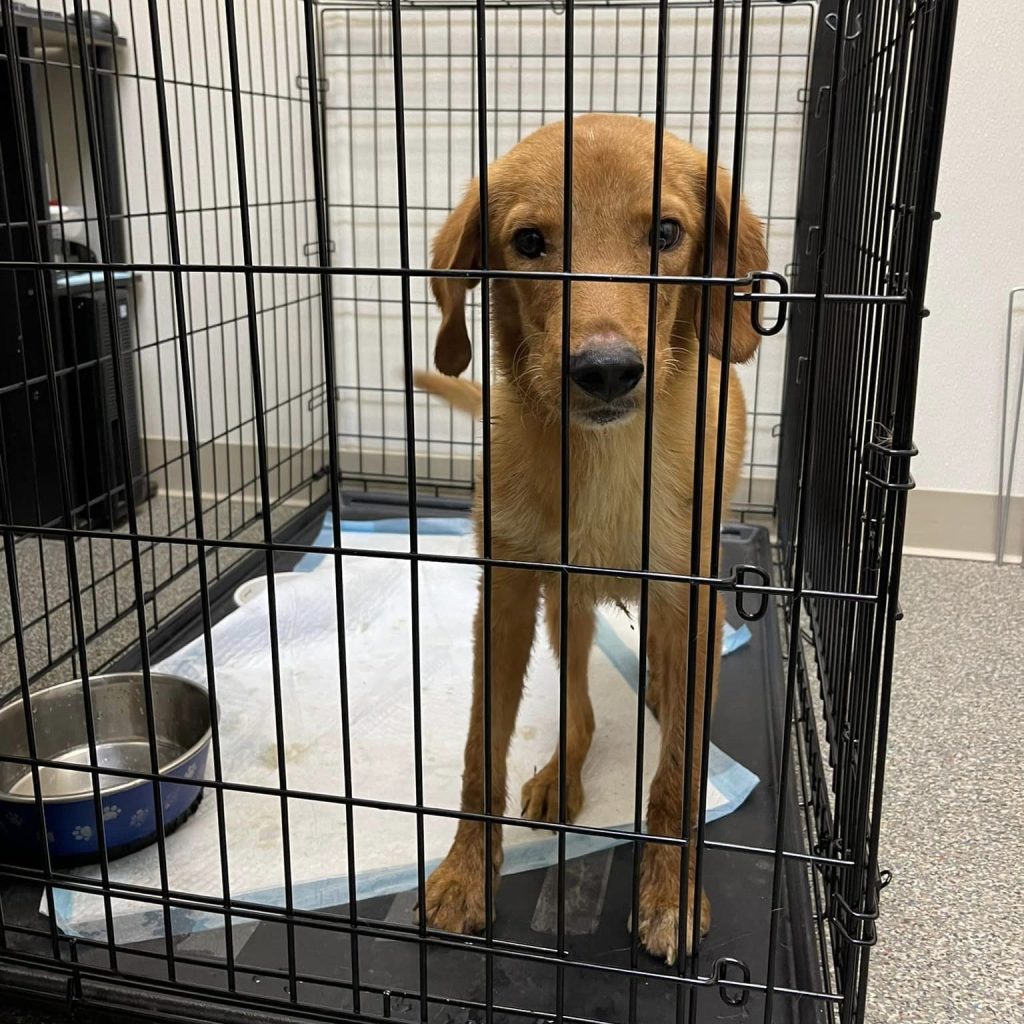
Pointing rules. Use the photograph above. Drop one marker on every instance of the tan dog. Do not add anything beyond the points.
(613, 160)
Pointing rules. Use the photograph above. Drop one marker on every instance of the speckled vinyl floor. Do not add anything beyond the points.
(951, 944)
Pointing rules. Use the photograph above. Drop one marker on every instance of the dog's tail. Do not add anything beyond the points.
(461, 394)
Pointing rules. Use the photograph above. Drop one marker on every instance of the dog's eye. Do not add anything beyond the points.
(669, 234)
(529, 242)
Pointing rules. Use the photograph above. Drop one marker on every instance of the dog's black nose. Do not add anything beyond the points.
(606, 370)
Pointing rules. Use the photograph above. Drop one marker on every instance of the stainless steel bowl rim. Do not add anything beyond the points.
(7, 797)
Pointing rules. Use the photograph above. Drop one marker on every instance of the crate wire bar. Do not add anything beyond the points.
(214, 251)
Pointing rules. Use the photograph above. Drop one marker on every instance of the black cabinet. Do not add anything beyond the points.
(94, 428)
(55, 322)
(28, 423)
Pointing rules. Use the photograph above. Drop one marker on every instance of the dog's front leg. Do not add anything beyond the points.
(540, 794)
(455, 897)
(660, 902)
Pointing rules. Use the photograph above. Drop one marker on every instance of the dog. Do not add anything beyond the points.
(613, 160)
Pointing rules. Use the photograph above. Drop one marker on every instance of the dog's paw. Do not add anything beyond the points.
(455, 895)
(658, 927)
(540, 795)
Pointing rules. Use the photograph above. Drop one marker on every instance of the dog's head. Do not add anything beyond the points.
(612, 233)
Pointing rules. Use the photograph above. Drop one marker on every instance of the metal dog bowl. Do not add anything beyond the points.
(181, 710)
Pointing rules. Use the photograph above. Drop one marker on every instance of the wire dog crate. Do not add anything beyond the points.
(214, 255)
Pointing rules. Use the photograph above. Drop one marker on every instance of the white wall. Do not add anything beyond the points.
(977, 256)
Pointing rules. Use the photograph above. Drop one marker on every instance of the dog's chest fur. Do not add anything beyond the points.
(606, 488)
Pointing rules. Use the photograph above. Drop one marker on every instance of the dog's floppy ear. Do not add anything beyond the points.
(750, 256)
(456, 247)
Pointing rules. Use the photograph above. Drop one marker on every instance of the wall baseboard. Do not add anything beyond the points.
(961, 524)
